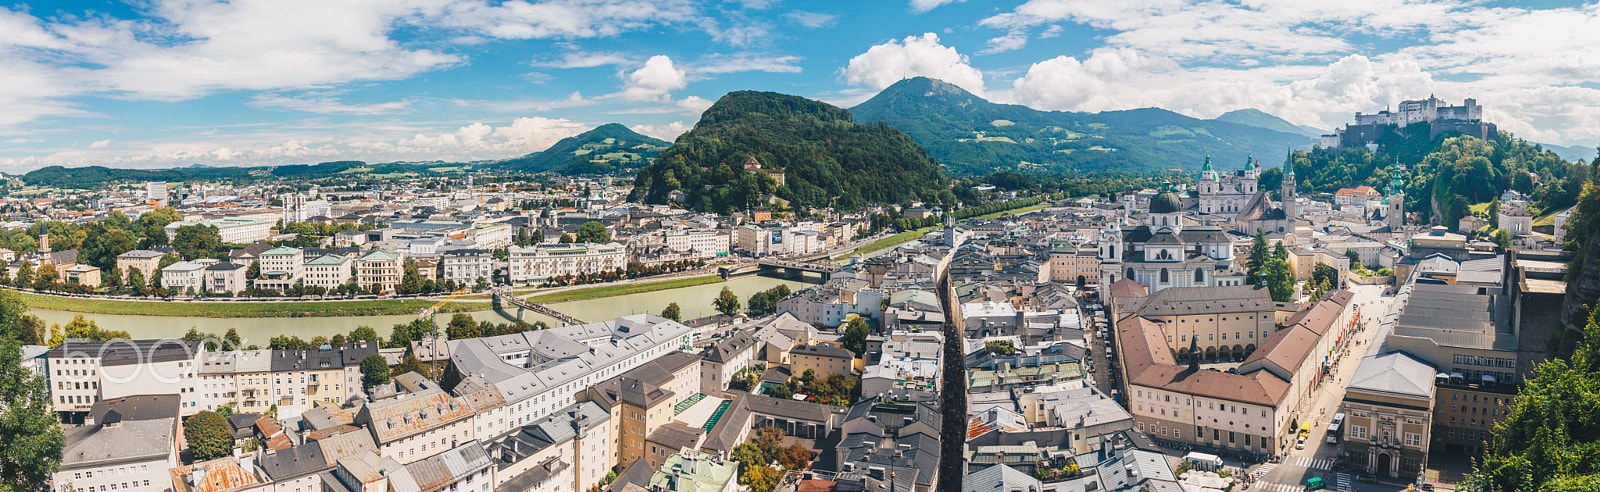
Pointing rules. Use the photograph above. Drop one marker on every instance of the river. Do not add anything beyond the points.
(693, 301)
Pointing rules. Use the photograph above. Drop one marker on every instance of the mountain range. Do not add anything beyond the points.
(609, 148)
(973, 136)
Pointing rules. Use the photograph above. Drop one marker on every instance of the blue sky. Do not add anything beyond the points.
(162, 83)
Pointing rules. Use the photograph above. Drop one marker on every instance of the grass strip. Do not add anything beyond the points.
(244, 309)
(908, 236)
(623, 289)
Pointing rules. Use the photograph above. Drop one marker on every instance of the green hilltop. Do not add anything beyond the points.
(824, 154)
(607, 149)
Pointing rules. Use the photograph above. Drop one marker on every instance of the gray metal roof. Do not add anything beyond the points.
(1394, 373)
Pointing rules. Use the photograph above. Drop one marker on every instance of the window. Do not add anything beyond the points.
(1413, 439)
(1358, 432)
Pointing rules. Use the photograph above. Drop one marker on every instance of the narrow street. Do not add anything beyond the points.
(1320, 456)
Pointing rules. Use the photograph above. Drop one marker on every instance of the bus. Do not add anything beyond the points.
(1334, 436)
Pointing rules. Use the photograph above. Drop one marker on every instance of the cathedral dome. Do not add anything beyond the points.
(1166, 203)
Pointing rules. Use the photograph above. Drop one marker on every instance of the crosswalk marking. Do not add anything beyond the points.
(1343, 481)
(1313, 463)
(1277, 487)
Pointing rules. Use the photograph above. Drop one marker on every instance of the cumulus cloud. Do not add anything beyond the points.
(654, 80)
(668, 132)
(100, 144)
(887, 63)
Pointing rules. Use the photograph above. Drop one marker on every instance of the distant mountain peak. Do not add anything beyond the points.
(1262, 119)
(599, 150)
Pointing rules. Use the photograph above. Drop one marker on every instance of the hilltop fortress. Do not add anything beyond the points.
(1440, 117)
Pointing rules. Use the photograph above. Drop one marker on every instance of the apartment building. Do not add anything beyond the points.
(327, 271)
(542, 261)
(281, 267)
(381, 268)
(415, 425)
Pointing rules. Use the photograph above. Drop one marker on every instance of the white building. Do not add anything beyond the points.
(233, 230)
(703, 243)
(327, 271)
(281, 267)
(543, 261)
(185, 275)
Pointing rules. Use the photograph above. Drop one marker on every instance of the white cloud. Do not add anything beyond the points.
(717, 63)
(584, 59)
(654, 80)
(668, 132)
(565, 19)
(695, 104)
(1012, 41)
(923, 6)
(326, 105)
(100, 144)
(373, 143)
(573, 100)
(811, 19)
(887, 63)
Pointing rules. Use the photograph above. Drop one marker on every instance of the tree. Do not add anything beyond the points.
(726, 302)
(25, 275)
(760, 303)
(566, 238)
(30, 436)
(1279, 279)
(462, 327)
(1502, 238)
(254, 272)
(47, 277)
(12, 310)
(374, 371)
(31, 330)
(1259, 253)
(209, 435)
(672, 312)
(196, 241)
(112, 278)
(411, 280)
(855, 336)
(136, 279)
(232, 337)
(365, 334)
(593, 232)
(287, 342)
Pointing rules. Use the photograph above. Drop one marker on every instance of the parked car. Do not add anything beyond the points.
(1364, 478)
(1300, 443)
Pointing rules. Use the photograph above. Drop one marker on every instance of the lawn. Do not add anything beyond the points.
(623, 289)
(1479, 208)
(1548, 219)
(244, 309)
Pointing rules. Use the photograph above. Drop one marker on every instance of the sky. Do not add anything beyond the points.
(171, 83)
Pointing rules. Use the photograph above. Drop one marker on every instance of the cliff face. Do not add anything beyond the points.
(1583, 274)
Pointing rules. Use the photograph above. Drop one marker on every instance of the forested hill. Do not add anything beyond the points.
(606, 149)
(824, 153)
(1456, 170)
(95, 176)
(971, 135)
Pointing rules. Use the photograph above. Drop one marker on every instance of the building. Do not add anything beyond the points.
(81, 274)
(143, 260)
(692, 471)
(238, 230)
(1360, 196)
(1561, 225)
(1165, 253)
(1387, 415)
(826, 360)
(1073, 263)
(701, 243)
(156, 193)
(418, 425)
(121, 448)
(1515, 219)
(327, 271)
(542, 261)
(1247, 411)
(281, 267)
(225, 277)
(466, 266)
(380, 268)
(1440, 116)
(186, 275)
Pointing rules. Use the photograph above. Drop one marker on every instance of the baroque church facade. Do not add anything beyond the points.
(1168, 253)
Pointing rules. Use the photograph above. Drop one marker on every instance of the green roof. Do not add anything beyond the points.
(701, 476)
(327, 260)
(281, 251)
(381, 254)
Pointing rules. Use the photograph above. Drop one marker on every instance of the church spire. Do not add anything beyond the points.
(1288, 164)
(1194, 354)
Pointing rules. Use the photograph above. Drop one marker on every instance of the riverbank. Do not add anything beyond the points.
(245, 309)
(623, 289)
(908, 236)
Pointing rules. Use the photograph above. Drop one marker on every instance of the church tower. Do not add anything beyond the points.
(1394, 200)
(1247, 179)
(1289, 211)
(1209, 184)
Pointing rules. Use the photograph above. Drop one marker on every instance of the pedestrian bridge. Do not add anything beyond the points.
(503, 297)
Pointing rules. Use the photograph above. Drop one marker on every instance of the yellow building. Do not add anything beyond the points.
(826, 360)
